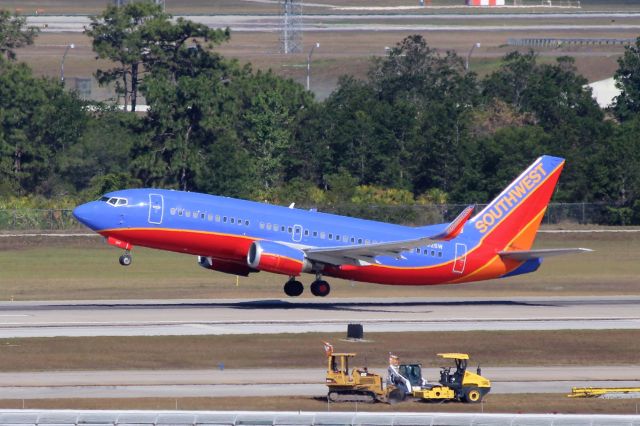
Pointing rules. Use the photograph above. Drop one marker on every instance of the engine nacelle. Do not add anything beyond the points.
(225, 266)
(278, 258)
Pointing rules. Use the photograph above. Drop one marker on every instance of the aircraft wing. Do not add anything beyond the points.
(523, 255)
(361, 255)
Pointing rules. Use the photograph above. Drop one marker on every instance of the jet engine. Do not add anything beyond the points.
(278, 258)
(225, 266)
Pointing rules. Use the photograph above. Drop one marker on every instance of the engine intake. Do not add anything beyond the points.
(278, 258)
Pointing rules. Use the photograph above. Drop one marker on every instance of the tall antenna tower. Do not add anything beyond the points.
(291, 31)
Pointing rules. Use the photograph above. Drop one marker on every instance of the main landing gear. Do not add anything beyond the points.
(125, 259)
(319, 287)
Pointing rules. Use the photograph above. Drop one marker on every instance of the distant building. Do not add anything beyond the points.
(485, 2)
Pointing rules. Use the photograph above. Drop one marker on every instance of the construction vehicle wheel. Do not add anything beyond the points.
(473, 395)
(396, 396)
(332, 396)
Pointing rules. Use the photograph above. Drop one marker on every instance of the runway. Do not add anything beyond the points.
(267, 382)
(386, 22)
(270, 316)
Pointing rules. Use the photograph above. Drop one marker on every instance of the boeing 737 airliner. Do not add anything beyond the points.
(240, 237)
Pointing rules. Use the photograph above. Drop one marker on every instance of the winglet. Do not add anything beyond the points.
(455, 228)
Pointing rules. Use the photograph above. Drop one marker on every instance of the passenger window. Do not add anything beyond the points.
(306, 232)
(275, 227)
(345, 239)
(261, 225)
(224, 219)
(315, 234)
(239, 222)
(359, 240)
(246, 222)
(290, 229)
(210, 217)
(173, 211)
(268, 227)
(330, 236)
(187, 213)
(353, 240)
(232, 220)
(367, 242)
(283, 228)
(418, 250)
(322, 234)
(202, 215)
(337, 237)
(180, 211)
(433, 253)
(217, 218)
(439, 254)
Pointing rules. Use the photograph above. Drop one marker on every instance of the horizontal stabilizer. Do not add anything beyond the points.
(523, 255)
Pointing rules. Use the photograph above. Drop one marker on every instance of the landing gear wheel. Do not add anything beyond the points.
(473, 395)
(125, 259)
(320, 288)
(293, 288)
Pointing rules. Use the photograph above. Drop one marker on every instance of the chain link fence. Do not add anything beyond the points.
(577, 213)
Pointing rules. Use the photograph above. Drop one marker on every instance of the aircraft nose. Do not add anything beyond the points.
(86, 214)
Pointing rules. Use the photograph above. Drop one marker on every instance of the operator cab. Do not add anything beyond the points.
(454, 380)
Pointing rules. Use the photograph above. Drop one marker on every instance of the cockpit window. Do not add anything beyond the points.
(115, 201)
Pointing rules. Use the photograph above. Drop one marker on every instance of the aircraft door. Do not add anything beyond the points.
(297, 233)
(156, 208)
(460, 259)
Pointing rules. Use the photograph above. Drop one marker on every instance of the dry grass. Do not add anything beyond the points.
(515, 403)
(341, 52)
(86, 268)
(501, 348)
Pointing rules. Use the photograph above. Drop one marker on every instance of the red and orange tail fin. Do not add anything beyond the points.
(511, 220)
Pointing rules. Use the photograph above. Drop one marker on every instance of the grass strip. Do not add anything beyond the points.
(488, 348)
(513, 403)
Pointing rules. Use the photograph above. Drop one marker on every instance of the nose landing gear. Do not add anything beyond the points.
(125, 259)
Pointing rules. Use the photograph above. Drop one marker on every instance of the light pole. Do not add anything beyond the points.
(466, 64)
(309, 64)
(69, 46)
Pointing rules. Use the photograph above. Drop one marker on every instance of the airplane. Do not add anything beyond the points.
(242, 237)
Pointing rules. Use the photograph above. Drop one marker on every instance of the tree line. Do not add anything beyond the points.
(419, 129)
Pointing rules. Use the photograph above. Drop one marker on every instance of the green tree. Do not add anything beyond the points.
(14, 33)
(140, 38)
(627, 77)
(40, 122)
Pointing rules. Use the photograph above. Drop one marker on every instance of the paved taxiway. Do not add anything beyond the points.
(260, 316)
(386, 22)
(261, 382)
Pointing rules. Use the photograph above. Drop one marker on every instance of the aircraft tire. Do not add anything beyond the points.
(125, 260)
(293, 288)
(320, 288)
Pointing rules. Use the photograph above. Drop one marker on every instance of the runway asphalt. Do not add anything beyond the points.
(270, 316)
(263, 382)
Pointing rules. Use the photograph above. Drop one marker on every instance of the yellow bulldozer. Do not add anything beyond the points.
(357, 385)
